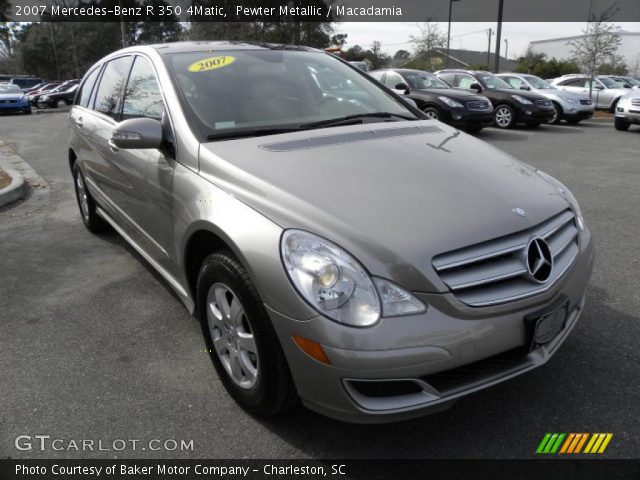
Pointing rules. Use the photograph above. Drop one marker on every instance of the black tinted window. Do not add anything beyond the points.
(142, 96)
(108, 95)
(87, 88)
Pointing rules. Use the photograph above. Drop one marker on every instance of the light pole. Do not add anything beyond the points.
(506, 49)
(496, 67)
(489, 32)
(449, 32)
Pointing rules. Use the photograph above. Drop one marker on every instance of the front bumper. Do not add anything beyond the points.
(533, 114)
(630, 114)
(14, 107)
(432, 359)
(465, 118)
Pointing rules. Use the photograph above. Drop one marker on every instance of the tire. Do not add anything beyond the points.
(555, 120)
(433, 113)
(614, 105)
(86, 203)
(504, 117)
(61, 104)
(260, 382)
(621, 124)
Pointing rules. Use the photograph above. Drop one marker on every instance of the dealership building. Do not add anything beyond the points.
(560, 49)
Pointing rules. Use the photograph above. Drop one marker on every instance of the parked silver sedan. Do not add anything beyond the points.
(337, 246)
(604, 94)
(569, 106)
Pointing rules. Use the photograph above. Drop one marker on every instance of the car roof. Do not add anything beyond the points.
(207, 46)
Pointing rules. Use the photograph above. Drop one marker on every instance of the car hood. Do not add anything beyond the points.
(393, 194)
(450, 92)
(11, 96)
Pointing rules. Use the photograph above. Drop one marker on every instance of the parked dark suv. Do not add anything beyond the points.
(440, 101)
(511, 106)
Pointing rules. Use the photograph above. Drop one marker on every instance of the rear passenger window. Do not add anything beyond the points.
(108, 96)
(87, 87)
(142, 96)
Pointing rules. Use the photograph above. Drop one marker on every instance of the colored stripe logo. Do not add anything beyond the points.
(574, 443)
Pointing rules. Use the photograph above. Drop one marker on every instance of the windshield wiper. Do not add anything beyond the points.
(352, 119)
(254, 132)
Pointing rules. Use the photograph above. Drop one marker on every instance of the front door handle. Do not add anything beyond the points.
(113, 147)
(79, 122)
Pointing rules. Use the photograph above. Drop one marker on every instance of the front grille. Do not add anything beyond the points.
(585, 101)
(495, 271)
(635, 102)
(479, 105)
(8, 101)
(543, 103)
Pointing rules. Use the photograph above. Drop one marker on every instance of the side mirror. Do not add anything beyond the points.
(525, 87)
(402, 86)
(138, 133)
(598, 87)
(476, 86)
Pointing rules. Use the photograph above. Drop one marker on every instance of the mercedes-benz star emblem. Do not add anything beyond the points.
(539, 260)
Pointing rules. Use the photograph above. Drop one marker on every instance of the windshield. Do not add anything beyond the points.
(9, 88)
(234, 91)
(537, 82)
(492, 82)
(423, 80)
(631, 81)
(609, 83)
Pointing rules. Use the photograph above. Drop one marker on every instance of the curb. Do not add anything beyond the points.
(16, 190)
(50, 110)
(600, 120)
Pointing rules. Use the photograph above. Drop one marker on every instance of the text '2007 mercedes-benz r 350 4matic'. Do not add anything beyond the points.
(337, 246)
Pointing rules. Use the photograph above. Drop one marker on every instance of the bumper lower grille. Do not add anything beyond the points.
(635, 102)
(496, 271)
(585, 101)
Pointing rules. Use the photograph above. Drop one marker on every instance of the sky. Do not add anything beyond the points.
(464, 35)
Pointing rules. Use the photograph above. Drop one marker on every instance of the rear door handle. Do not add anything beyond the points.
(113, 147)
(79, 122)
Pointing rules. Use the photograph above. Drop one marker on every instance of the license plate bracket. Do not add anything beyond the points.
(543, 326)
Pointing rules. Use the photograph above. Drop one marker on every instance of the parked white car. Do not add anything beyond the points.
(628, 110)
(604, 94)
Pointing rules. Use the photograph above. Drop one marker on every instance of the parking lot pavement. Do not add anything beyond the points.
(93, 345)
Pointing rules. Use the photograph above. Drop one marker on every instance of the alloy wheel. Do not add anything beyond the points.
(83, 200)
(503, 117)
(232, 336)
(432, 114)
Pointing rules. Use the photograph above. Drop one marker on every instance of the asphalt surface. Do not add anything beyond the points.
(93, 344)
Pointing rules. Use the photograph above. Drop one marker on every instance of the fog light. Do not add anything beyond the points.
(528, 112)
(457, 116)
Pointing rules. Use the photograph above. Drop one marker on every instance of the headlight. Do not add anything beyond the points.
(568, 99)
(623, 102)
(451, 102)
(566, 193)
(337, 285)
(521, 99)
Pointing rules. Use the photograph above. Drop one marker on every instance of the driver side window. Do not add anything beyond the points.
(465, 81)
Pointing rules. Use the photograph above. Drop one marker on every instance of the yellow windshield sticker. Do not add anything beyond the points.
(211, 63)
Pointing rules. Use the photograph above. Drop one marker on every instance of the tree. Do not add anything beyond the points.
(530, 62)
(339, 39)
(400, 58)
(537, 64)
(598, 45)
(430, 38)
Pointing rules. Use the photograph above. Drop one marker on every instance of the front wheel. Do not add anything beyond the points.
(621, 124)
(432, 113)
(61, 104)
(503, 117)
(240, 339)
(86, 203)
(557, 114)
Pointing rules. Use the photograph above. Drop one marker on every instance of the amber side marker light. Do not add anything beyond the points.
(311, 348)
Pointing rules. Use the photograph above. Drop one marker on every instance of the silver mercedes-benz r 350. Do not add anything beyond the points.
(337, 246)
